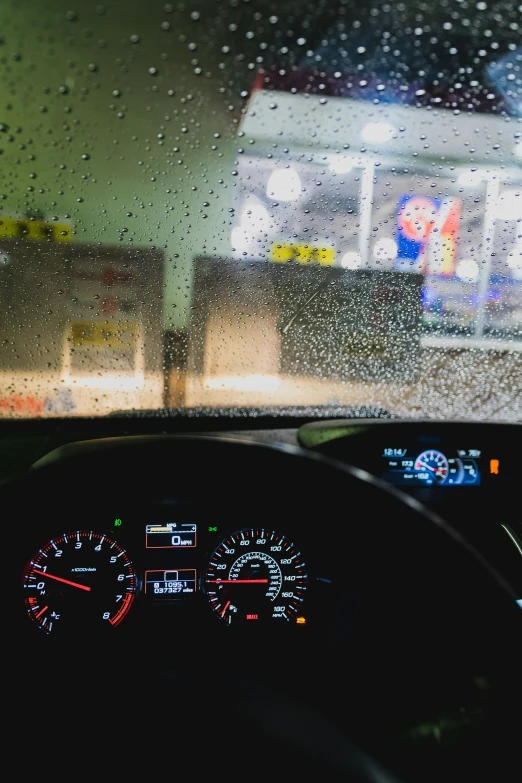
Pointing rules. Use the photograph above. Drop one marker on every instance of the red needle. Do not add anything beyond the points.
(59, 579)
(225, 609)
(238, 581)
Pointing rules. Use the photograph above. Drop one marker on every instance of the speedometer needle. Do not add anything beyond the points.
(238, 581)
(59, 579)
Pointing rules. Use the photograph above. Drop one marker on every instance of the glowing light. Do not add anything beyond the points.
(300, 620)
(255, 216)
(284, 185)
(385, 249)
(115, 383)
(340, 164)
(509, 205)
(351, 260)
(239, 238)
(377, 132)
(519, 602)
(467, 269)
(514, 262)
(244, 383)
(494, 465)
(255, 220)
(469, 179)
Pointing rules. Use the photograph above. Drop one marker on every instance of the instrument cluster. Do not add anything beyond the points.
(94, 579)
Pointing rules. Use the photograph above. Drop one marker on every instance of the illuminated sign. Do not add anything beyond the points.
(424, 224)
(302, 254)
(118, 334)
(36, 230)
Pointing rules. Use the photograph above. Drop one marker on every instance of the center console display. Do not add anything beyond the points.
(415, 467)
(171, 561)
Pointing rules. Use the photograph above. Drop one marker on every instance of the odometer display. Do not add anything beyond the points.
(78, 580)
(256, 575)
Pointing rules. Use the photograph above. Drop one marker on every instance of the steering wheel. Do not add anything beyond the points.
(414, 623)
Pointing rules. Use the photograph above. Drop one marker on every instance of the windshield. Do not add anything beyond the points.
(293, 206)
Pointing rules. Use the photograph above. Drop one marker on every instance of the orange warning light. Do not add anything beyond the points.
(301, 620)
(493, 466)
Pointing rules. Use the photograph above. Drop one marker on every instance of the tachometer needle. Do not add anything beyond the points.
(238, 581)
(59, 579)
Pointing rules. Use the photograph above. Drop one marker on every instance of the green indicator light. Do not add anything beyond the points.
(117, 522)
(212, 530)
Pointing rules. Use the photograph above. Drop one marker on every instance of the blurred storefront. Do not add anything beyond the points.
(360, 196)
(80, 324)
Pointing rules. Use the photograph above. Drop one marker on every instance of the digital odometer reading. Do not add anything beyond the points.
(256, 575)
(170, 584)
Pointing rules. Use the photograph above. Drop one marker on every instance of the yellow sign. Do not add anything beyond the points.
(98, 334)
(39, 230)
(302, 254)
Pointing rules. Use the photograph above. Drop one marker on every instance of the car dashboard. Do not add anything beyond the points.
(176, 552)
(292, 556)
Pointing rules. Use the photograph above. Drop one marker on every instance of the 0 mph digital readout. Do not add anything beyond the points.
(170, 535)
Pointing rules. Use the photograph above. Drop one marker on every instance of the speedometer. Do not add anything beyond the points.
(256, 575)
(432, 467)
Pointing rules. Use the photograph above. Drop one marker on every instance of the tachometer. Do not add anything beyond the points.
(256, 575)
(78, 580)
